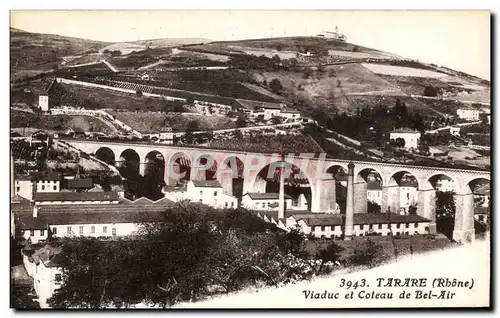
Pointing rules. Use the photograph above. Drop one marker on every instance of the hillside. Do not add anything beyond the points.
(32, 53)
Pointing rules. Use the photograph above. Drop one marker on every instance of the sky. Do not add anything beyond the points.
(456, 39)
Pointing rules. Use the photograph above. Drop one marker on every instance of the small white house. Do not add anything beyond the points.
(468, 113)
(411, 137)
(270, 202)
(43, 102)
(374, 192)
(209, 192)
(455, 130)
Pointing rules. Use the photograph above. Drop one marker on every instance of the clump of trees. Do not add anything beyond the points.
(190, 253)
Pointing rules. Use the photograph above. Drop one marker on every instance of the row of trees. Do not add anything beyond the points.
(192, 253)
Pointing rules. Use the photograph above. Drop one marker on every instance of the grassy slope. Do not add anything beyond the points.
(56, 123)
(42, 52)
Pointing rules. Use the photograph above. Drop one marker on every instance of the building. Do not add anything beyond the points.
(26, 185)
(455, 130)
(166, 136)
(411, 137)
(270, 202)
(408, 190)
(209, 192)
(374, 192)
(468, 113)
(482, 214)
(43, 102)
(445, 184)
(365, 224)
(77, 184)
(42, 264)
(70, 198)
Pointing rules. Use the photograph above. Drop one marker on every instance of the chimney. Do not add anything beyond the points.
(349, 213)
(282, 208)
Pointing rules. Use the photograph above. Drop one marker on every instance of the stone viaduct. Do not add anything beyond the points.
(319, 173)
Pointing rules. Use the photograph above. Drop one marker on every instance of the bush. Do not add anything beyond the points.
(430, 91)
(366, 254)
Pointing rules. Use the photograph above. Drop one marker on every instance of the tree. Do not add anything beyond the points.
(275, 85)
(193, 125)
(138, 92)
(355, 48)
(276, 59)
(330, 253)
(366, 254)
(276, 120)
(241, 122)
(430, 91)
(373, 207)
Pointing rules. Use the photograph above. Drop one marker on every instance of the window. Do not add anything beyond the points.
(201, 200)
(232, 204)
(32, 233)
(55, 188)
(361, 227)
(427, 229)
(104, 229)
(201, 193)
(54, 230)
(113, 231)
(215, 193)
(370, 227)
(42, 232)
(18, 189)
(43, 187)
(81, 230)
(407, 225)
(68, 230)
(322, 228)
(416, 224)
(92, 229)
(398, 225)
(58, 279)
(263, 204)
(225, 204)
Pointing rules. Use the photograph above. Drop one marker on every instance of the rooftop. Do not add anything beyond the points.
(324, 219)
(207, 183)
(133, 212)
(265, 196)
(75, 196)
(405, 130)
(374, 186)
(49, 255)
(79, 183)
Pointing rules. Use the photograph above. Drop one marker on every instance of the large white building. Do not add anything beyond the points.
(209, 192)
(411, 137)
(331, 225)
(468, 113)
(43, 102)
(374, 192)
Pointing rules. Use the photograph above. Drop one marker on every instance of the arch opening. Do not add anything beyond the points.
(129, 163)
(107, 155)
(339, 173)
(444, 203)
(179, 169)
(368, 191)
(265, 192)
(236, 166)
(480, 188)
(206, 167)
(405, 188)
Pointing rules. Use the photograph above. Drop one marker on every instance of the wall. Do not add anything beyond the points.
(24, 188)
(47, 186)
(122, 229)
(37, 235)
(263, 205)
(75, 202)
(411, 140)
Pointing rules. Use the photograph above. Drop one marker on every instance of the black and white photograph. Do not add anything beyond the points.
(178, 159)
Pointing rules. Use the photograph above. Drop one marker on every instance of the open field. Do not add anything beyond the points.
(57, 122)
(89, 58)
(401, 71)
(124, 47)
(79, 96)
